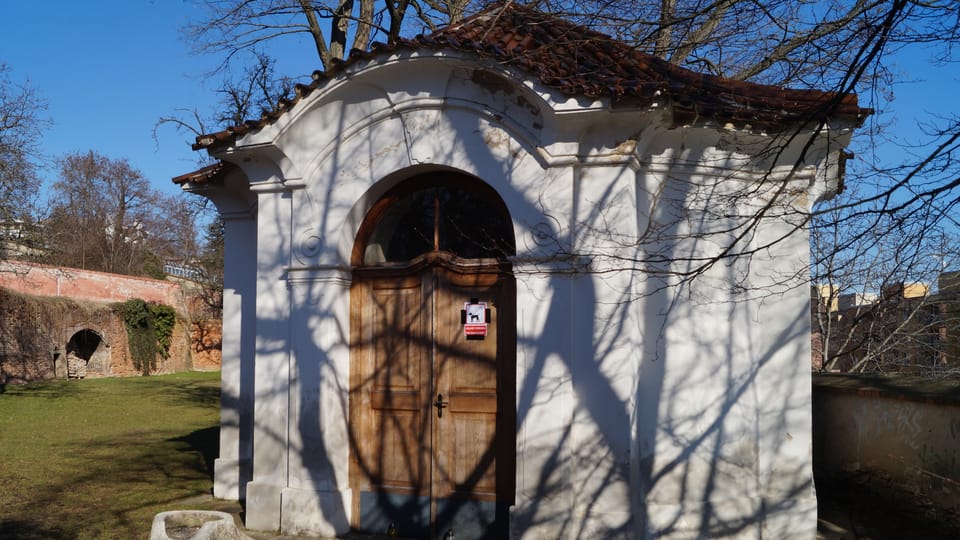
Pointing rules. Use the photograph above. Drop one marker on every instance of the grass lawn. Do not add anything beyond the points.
(99, 458)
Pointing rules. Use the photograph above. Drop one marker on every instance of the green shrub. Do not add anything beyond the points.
(149, 331)
(164, 319)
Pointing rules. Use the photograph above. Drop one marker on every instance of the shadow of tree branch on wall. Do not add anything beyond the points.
(656, 376)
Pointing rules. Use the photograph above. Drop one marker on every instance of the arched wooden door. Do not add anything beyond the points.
(432, 414)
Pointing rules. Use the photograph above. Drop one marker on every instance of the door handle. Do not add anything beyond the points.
(440, 404)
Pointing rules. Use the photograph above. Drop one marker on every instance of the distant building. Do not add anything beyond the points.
(183, 271)
(852, 300)
(16, 241)
(906, 327)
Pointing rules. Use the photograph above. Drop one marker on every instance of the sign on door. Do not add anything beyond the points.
(475, 317)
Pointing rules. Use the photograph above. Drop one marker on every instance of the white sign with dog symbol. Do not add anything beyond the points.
(475, 319)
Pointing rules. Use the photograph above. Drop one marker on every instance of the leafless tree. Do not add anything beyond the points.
(883, 301)
(210, 266)
(256, 89)
(332, 27)
(793, 42)
(897, 221)
(105, 216)
(894, 224)
(21, 126)
(892, 212)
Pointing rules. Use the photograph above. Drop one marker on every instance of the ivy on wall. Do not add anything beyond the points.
(149, 331)
(164, 319)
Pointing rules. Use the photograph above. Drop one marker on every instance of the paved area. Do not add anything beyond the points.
(848, 511)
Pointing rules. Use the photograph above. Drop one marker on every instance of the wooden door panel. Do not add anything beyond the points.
(466, 402)
(397, 401)
(397, 451)
(467, 375)
(391, 454)
(474, 466)
(422, 471)
(397, 335)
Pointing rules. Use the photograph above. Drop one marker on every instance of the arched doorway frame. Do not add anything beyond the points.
(448, 271)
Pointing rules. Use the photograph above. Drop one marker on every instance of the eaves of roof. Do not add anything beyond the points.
(577, 61)
(211, 174)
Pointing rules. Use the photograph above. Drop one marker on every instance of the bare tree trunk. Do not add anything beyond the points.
(314, 25)
(396, 10)
(339, 25)
(364, 25)
(664, 39)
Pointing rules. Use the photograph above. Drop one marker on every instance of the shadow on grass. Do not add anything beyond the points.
(206, 442)
(202, 394)
(112, 488)
(49, 389)
(150, 448)
(13, 529)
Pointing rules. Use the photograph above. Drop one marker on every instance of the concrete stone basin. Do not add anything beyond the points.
(195, 525)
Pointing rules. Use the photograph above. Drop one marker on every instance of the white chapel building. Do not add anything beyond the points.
(516, 279)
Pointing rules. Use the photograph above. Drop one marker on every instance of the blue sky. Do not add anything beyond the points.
(109, 69)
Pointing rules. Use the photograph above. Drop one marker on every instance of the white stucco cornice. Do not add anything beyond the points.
(552, 265)
(551, 98)
(329, 274)
(230, 205)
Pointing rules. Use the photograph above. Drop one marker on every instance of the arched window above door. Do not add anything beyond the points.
(446, 213)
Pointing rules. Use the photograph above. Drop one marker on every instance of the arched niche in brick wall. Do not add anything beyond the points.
(87, 353)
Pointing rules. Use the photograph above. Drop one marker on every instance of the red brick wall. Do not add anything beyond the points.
(42, 313)
(41, 280)
(206, 339)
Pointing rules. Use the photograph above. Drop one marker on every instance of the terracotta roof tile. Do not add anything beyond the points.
(211, 174)
(578, 61)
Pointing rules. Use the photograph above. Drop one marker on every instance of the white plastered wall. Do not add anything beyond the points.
(237, 207)
(645, 406)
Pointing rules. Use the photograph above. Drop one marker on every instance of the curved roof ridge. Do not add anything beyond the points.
(578, 61)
